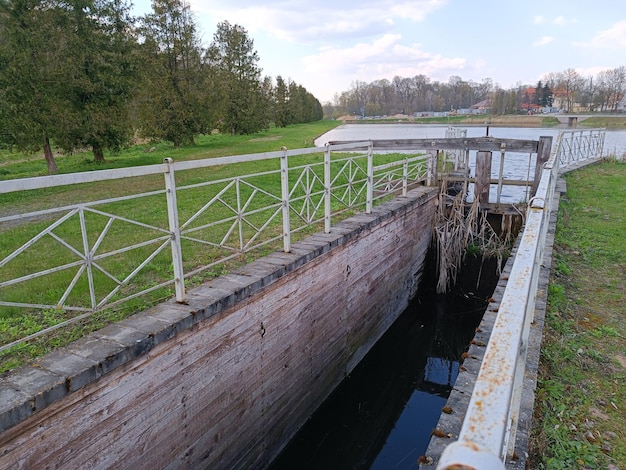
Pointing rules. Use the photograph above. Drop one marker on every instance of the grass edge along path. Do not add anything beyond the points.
(580, 402)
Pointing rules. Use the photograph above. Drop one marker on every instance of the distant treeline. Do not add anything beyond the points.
(87, 74)
(566, 90)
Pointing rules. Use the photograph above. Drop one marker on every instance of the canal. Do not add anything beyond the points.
(382, 415)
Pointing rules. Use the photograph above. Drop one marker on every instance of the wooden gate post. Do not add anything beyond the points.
(483, 177)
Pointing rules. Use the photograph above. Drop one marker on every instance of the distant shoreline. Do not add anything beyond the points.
(537, 120)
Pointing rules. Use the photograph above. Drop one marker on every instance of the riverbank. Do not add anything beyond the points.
(515, 120)
(580, 399)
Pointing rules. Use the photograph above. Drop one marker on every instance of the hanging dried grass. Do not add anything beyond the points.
(458, 226)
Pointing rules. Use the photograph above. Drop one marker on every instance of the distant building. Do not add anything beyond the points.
(482, 107)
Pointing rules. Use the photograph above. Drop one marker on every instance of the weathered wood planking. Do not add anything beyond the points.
(231, 388)
(483, 144)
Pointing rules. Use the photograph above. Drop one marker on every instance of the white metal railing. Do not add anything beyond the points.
(456, 157)
(109, 245)
(580, 145)
(488, 432)
(120, 248)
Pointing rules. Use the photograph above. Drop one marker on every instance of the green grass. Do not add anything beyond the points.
(612, 122)
(17, 322)
(581, 398)
(19, 165)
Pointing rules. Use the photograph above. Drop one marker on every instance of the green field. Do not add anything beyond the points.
(579, 412)
(215, 246)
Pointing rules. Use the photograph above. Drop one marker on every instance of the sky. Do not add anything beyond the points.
(327, 46)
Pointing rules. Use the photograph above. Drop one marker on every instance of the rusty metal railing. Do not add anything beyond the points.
(488, 432)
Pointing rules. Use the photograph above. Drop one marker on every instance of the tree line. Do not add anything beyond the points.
(409, 95)
(87, 74)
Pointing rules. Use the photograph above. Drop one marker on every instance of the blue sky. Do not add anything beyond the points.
(326, 46)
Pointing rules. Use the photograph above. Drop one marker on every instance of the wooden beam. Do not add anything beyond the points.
(483, 144)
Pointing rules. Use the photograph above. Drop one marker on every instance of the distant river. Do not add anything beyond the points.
(517, 166)
(615, 141)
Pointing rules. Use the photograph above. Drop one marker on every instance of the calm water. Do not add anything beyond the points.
(382, 415)
(516, 166)
(615, 141)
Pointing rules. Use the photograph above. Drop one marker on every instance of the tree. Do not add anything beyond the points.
(570, 84)
(173, 101)
(30, 82)
(281, 96)
(537, 96)
(546, 96)
(66, 75)
(236, 79)
(98, 75)
(614, 87)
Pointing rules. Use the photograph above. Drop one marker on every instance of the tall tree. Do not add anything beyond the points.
(236, 78)
(281, 96)
(173, 101)
(98, 75)
(30, 81)
(546, 96)
(615, 80)
(66, 75)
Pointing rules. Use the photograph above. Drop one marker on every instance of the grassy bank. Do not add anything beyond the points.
(20, 165)
(516, 120)
(581, 399)
(18, 322)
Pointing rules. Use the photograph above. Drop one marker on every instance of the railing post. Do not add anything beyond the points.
(432, 168)
(327, 183)
(174, 226)
(501, 172)
(370, 179)
(405, 177)
(284, 180)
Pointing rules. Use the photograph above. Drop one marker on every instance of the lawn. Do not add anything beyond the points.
(581, 398)
(110, 229)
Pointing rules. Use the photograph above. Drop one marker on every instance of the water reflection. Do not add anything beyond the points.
(382, 415)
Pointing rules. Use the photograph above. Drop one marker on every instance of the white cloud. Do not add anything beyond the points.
(325, 20)
(612, 38)
(384, 57)
(539, 19)
(562, 21)
(386, 52)
(543, 41)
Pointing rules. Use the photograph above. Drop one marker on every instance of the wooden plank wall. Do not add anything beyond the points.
(231, 390)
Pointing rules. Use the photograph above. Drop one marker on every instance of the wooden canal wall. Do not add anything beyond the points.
(227, 380)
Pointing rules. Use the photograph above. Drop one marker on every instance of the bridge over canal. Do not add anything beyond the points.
(571, 119)
(225, 373)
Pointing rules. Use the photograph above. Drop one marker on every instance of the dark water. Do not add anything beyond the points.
(382, 415)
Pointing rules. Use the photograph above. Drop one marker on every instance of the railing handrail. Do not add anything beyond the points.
(368, 184)
(488, 431)
(350, 183)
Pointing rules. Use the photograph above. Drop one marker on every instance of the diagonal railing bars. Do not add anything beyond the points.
(114, 250)
(99, 254)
